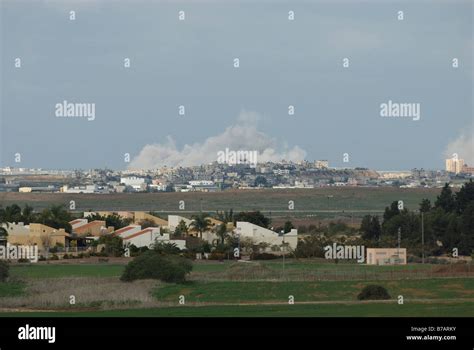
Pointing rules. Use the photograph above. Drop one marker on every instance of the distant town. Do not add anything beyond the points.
(219, 177)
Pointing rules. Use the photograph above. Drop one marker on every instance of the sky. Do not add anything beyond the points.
(190, 63)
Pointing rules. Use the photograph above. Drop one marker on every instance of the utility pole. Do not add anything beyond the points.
(422, 238)
(283, 249)
(399, 239)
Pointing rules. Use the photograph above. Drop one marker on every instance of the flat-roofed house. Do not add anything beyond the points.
(36, 234)
(386, 256)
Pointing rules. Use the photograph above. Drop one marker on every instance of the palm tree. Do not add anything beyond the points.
(27, 215)
(201, 223)
(222, 232)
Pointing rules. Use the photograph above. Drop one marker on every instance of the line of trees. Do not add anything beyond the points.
(56, 216)
(448, 223)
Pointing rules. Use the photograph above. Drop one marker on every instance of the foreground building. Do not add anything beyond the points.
(386, 256)
(36, 234)
(263, 235)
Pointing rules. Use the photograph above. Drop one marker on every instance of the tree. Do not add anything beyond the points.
(156, 265)
(145, 223)
(222, 232)
(254, 217)
(260, 181)
(465, 196)
(288, 226)
(27, 215)
(446, 199)
(391, 211)
(166, 248)
(181, 229)
(57, 217)
(425, 205)
(201, 223)
(226, 216)
(370, 228)
(113, 245)
(114, 220)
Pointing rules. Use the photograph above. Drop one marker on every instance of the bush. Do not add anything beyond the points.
(4, 271)
(54, 257)
(216, 256)
(153, 265)
(23, 260)
(263, 256)
(113, 245)
(373, 292)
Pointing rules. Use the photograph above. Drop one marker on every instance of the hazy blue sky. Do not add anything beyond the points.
(190, 63)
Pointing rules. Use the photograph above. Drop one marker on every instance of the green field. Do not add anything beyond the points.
(242, 292)
(69, 270)
(228, 288)
(357, 199)
(12, 289)
(323, 310)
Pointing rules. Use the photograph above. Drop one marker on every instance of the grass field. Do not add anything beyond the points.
(324, 310)
(237, 289)
(12, 289)
(359, 200)
(70, 270)
(242, 292)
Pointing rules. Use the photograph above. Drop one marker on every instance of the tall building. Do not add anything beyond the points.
(454, 165)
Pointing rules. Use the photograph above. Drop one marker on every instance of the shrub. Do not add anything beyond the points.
(373, 292)
(216, 256)
(23, 260)
(113, 245)
(153, 265)
(263, 256)
(54, 257)
(4, 271)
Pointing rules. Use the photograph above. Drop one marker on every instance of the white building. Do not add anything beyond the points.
(260, 234)
(149, 236)
(127, 231)
(137, 183)
(80, 189)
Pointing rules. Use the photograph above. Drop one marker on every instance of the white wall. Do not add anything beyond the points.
(261, 234)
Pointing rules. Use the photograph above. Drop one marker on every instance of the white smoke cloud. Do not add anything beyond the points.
(463, 146)
(243, 135)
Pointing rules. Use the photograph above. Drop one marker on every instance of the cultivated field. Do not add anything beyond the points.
(239, 289)
(318, 203)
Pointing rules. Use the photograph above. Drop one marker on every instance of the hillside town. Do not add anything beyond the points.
(219, 177)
